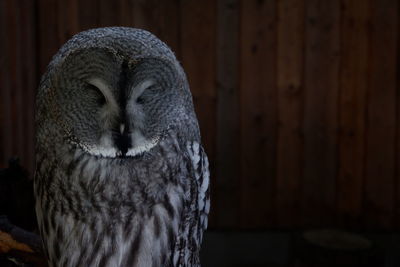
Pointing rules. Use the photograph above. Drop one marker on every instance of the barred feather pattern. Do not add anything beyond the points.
(149, 210)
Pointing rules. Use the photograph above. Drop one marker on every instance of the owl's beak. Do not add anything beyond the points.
(122, 139)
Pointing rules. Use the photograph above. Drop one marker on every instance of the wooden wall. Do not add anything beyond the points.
(298, 100)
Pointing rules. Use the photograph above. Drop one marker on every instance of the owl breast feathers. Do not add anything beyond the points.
(121, 176)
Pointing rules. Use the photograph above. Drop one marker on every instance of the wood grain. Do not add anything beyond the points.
(290, 57)
(226, 181)
(108, 13)
(320, 111)
(88, 14)
(3, 75)
(352, 112)
(47, 34)
(14, 64)
(258, 114)
(6, 89)
(381, 120)
(297, 100)
(28, 74)
(160, 17)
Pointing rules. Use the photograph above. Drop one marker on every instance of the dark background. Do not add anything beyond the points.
(298, 100)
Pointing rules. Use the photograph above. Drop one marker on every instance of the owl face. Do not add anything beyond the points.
(116, 106)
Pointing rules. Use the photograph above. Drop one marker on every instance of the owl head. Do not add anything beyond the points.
(116, 92)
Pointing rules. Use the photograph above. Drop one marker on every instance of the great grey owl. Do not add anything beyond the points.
(121, 176)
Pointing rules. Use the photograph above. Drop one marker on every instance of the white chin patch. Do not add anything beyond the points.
(104, 149)
(140, 144)
(107, 149)
(103, 152)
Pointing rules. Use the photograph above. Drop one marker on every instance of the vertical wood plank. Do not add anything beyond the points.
(108, 13)
(320, 112)
(5, 109)
(2, 85)
(227, 155)
(198, 46)
(67, 20)
(258, 116)
(13, 84)
(290, 101)
(397, 156)
(126, 17)
(352, 106)
(88, 14)
(380, 146)
(15, 66)
(161, 17)
(28, 79)
(47, 32)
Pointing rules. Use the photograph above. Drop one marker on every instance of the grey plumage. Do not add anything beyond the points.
(121, 177)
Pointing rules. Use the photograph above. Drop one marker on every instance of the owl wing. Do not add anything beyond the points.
(201, 203)
(195, 219)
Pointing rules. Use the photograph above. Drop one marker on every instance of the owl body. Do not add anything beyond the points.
(121, 177)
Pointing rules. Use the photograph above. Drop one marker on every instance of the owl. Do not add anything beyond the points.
(121, 177)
